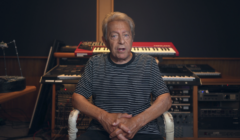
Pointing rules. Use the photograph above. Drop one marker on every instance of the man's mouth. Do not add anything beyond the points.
(121, 49)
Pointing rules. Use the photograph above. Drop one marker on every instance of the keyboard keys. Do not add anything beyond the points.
(178, 78)
(64, 76)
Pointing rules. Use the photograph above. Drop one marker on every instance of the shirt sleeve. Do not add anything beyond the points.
(158, 85)
(84, 86)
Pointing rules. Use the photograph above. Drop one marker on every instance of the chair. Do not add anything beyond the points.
(72, 123)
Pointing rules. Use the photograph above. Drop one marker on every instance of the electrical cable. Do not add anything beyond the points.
(58, 118)
(36, 133)
(57, 134)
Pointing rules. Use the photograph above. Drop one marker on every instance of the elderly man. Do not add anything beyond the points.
(121, 84)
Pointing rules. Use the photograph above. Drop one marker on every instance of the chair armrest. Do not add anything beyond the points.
(169, 125)
(72, 123)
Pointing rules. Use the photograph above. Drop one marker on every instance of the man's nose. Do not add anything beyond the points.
(121, 39)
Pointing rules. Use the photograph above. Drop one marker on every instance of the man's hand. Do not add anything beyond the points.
(123, 123)
(108, 119)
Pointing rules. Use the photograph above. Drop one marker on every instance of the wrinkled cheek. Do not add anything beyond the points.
(114, 53)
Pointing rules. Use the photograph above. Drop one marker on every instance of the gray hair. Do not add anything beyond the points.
(117, 16)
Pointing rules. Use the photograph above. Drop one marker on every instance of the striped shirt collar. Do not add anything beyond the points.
(121, 65)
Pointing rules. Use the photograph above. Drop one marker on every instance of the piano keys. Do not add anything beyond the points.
(71, 74)
(204, 71)
(154, 51)
(178, 75)
(66, 74)
(178, 78)
(150, 48)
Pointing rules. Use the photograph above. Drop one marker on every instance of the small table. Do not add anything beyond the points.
(11, 95)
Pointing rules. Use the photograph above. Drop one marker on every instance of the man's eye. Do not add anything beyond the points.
(126, 36)
(114, 36)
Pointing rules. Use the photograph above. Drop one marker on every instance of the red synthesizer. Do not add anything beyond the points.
(150, 48)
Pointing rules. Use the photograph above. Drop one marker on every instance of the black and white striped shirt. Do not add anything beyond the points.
(122, 88)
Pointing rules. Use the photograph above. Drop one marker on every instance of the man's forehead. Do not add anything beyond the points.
(118, 22)
(118, 25)
(127, 32)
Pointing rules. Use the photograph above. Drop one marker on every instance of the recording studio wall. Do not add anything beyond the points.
(197, 28)
(36, 24)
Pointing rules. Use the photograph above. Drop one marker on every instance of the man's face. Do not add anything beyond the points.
(119, 41)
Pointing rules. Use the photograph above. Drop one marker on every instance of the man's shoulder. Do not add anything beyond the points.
(145, 60)
(98, 57)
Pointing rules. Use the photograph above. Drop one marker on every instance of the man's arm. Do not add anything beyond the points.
(81, 103)
(160, 105)
(106, 119)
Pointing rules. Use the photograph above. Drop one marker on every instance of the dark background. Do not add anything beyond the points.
(197, 28)
(35, 24)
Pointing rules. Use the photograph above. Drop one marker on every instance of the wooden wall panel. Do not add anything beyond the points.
(33, 69)
(104, 7)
